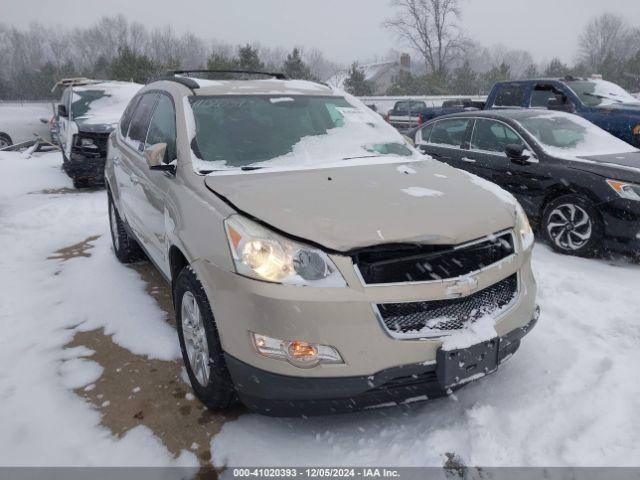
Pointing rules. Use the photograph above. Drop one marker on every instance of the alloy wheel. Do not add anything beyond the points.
(570, 227)
(195, 338)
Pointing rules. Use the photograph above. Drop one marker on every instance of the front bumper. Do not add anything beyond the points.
(287, 396)
(621, 219)
(85, 168)
(343, 318)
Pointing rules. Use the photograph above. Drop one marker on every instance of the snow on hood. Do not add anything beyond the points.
(107, 109)
(353, 206)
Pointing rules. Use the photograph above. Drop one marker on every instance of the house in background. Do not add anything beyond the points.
(381, 75)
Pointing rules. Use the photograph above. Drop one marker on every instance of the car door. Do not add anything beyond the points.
(444, 139)
(487, 147)
(153, 184)
(130, 160)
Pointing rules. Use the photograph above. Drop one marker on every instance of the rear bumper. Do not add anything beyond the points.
(286, 396)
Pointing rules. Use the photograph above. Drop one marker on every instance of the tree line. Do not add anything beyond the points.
(449, 62)
(113, 48)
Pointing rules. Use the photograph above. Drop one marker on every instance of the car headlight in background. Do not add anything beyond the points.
(523, 228)
(630, 191)
(265, 255)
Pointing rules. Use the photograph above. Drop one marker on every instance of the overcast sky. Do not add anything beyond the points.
(345, 30)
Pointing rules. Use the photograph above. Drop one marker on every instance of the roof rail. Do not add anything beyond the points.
(187, 82)
(278, 75)
(72, 82)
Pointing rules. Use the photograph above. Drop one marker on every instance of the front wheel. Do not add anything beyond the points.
(572, 225)
(200, 344)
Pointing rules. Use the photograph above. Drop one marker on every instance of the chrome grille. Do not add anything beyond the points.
(443, 316)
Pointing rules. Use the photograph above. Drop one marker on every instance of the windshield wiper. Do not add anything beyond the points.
(249, 168)
(602, 97)
(363, 156)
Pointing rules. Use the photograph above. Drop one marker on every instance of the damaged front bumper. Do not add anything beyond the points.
(287, 396)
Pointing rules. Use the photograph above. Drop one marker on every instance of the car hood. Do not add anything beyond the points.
(632, 109)
(93, 126)
(348, 207)
(620, 166)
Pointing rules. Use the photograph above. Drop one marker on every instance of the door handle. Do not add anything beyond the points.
(468, 160)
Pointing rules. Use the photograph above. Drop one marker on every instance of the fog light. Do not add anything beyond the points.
(296, 352)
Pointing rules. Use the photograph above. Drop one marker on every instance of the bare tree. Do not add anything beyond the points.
(429, 27)
(606, 36)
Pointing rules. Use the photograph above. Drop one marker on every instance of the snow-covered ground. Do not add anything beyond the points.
(569, 396)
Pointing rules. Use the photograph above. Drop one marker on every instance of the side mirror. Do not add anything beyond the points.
(518, 154)
(154, 156)
(62, 111)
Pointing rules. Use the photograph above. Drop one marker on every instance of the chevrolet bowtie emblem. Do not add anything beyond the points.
(463, 287)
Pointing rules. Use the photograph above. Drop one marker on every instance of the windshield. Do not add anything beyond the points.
(254, 131)
(82, 100)
(563, 135)
(409, 106)
(594, 93)
(102, 104)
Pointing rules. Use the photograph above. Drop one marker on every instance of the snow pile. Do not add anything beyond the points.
(568, 397)
(44, 300)
(422, 192)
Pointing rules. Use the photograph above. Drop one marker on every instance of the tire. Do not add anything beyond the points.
(126, 248)
(5, 140)
(200, 344)
(572, 225)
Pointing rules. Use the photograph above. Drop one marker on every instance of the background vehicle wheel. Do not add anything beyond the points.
(200, 343)
(5, 140)
(572, 225)
(126, 248)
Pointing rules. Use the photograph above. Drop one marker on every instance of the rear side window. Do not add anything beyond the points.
(449, 132)
(125, 121)
(492, 136)
(142, 117)
(162, 128)
(543, 94)
(510, 96)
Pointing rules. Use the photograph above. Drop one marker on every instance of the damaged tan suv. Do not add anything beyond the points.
(318, 262)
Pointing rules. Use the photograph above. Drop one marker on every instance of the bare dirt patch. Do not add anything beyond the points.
(57, 191)
(135, 390)
(80, 249)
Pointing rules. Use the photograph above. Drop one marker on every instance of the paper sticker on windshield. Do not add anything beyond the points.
(281, 99)
(354, 115)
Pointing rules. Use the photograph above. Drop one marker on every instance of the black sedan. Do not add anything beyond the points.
(577, 183)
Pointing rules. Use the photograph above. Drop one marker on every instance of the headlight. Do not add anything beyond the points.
(523, 228)
(630, 191)
(262, 254)
(87, 142)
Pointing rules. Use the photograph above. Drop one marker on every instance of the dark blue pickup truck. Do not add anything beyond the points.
(603, 103)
